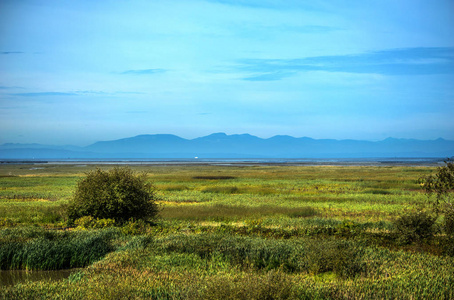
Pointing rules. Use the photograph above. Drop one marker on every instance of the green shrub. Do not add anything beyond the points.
(88, 222)
(449, 220)
(134, 227)
(84, 222)
(448, 226)
(118, 194)
(104, 223)
(440, 184)
(415, 227)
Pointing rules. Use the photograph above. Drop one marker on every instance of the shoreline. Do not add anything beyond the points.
(385, 161)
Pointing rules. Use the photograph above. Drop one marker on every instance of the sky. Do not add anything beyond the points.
(77, 72)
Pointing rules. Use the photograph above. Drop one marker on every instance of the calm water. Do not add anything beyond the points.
(414, 161)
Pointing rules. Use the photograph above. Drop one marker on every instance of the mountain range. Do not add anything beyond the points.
(221, 145)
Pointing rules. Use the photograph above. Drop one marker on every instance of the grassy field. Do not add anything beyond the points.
(228, 232)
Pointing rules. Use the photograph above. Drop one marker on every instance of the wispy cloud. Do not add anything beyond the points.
(270, 76)
(44, 94)
(409, 61)
(91, 93)
(102, 93)
(143, 72)
(11, 52)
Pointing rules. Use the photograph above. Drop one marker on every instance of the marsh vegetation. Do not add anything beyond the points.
(232, 232)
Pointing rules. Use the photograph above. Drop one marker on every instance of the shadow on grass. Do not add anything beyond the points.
(219, 212)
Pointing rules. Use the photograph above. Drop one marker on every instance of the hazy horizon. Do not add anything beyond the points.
(233, 134)
(77, 72)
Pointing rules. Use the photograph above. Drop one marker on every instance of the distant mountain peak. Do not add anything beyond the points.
(244, 145)
(156, 135)
(282, 137)
(244, 135)
(217, 135)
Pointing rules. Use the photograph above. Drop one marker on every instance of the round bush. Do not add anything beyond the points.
(118, 194)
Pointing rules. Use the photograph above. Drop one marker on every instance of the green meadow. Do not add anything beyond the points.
(227, 232)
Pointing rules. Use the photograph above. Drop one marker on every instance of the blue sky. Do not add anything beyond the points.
(75, 72)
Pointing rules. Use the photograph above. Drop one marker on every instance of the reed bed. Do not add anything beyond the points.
(53, 250)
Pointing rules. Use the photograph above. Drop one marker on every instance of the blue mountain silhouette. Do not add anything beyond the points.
(221, 145)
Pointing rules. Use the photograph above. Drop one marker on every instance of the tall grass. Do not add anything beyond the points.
(51, 250)
(310, 256)
(230, 267)
(229, 232)
(221, 212)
